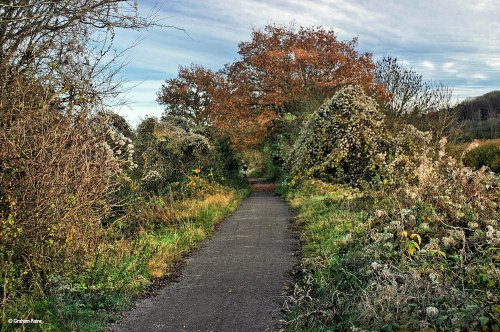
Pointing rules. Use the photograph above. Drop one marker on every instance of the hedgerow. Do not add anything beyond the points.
(79, 189)
(414, 247)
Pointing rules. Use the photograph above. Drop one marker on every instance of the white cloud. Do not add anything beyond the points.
(456, 41)
(494, 63)
(463, 92)
(479, 76)
(449, 67)
(139, 100)
(428, 65)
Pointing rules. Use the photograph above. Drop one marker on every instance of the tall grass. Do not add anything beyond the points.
(364, 268)
(126, 266)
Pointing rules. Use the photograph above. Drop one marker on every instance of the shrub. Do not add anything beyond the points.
(348, 140)
(225, 160)
(417, 251)
(54, 186)
(170, 148)
(484, 155)
(341, 140)
(169, 151)
(153, 182)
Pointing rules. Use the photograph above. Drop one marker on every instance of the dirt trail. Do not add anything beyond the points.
(235, 282)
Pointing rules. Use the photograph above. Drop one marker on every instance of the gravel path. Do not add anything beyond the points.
(234, 283)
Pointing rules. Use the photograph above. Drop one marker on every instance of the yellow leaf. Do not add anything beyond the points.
(415, 235)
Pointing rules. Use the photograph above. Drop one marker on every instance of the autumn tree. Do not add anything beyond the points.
(283, 65)
(208, 98)
(278, 67)
(191, 93)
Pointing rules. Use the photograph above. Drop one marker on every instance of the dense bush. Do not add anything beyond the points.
(348, 140)
(341, 140)
(172, 148)
(484, 155)
(55, 182)
(169, 151)
(414, 250)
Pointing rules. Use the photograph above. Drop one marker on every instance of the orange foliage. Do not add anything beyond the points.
(278, 67)
(287, 65)
(191, 93)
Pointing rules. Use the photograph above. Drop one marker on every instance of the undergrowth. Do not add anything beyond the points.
(397, 234)
(164, 231)
(362, 272)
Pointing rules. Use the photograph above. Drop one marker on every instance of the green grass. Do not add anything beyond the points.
(326, 224)
(125, 267)
(484, 155)
(457, 149)
(357, 272)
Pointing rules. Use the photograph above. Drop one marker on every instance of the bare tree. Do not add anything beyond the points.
(427, 105)
(67, 43)
(409, 94)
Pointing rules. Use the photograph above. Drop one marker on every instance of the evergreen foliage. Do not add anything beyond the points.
(341, 140)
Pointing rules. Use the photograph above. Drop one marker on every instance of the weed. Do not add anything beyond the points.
(369, 269)
(124, 266)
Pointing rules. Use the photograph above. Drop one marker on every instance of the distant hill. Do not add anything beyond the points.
(480, 116)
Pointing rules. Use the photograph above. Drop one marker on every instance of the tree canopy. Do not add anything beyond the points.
(277, 67)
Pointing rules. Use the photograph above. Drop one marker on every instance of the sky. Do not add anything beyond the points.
(456, 42)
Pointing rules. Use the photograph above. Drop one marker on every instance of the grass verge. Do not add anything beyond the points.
(126, 266)
(360, 273)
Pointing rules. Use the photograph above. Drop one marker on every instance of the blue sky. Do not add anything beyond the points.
(453, 41)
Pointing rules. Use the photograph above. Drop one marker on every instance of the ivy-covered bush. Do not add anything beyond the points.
(169, 150)
(172, 148)
(342, 140)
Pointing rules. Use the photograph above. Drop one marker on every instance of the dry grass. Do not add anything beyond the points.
(189, 221)
(216, 200)
(163, 258)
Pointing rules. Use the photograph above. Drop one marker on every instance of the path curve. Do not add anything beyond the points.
(234, 283)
